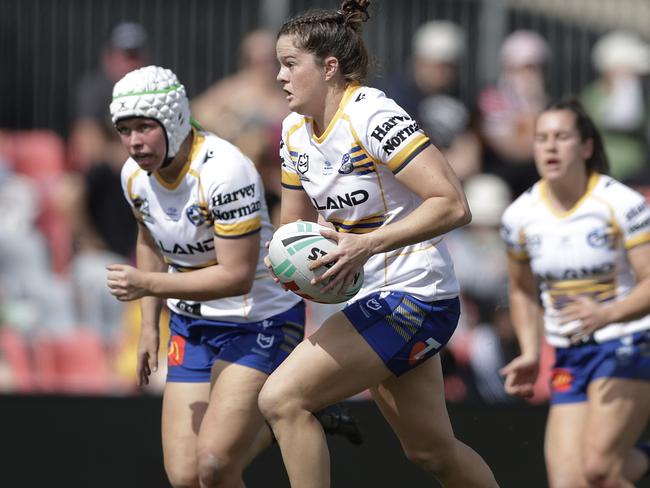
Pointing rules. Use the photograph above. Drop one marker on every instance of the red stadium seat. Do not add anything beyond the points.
(14, 348)
(74, 363)
(83, 363)
(40, 154)
(46, 370)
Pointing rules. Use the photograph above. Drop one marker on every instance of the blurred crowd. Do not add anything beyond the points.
(64, 218)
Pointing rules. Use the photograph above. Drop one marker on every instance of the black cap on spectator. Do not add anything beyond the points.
(128, 36)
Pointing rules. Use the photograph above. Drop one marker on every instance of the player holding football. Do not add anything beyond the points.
(200, 208)
(356, 158)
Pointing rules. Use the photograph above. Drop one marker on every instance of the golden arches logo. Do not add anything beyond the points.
(561, 380)
(176, 350)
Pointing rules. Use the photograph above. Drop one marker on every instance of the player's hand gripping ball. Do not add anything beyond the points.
(293, 248)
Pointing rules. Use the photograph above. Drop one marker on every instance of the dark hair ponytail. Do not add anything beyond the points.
(334, 33)
(598, 161)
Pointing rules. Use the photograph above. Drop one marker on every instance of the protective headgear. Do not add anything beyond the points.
(155, 93)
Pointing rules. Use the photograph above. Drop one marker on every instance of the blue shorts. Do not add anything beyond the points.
(576, 367)
(401, 329)
(195, 344)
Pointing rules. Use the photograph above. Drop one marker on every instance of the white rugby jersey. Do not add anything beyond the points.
(218, 193)
(349, 174)
(581, 252)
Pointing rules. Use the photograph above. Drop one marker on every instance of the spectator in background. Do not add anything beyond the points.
(619, 104)
(92, 201)
(429, 91)
(480, 265)
(508, 109)
(247, 109)
(34, 299)
(92, 137)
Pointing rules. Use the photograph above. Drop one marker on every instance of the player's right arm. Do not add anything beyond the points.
(296, 206)
(295, 203)
(522, 371)
(148, 259)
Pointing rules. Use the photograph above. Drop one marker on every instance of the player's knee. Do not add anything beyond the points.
(274, 402)
(182, 476)
(434, 460)
(600, 471)
(215, 471)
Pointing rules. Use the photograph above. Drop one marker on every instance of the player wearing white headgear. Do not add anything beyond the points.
(154, 93)
(202, 220)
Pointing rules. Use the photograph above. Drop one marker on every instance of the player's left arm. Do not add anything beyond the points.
(443, 208)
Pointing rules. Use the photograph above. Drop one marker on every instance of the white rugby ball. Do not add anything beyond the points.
(293, 248)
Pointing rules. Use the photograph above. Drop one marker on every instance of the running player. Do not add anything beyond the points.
(357, 159)
(582, 240)
(200, 208)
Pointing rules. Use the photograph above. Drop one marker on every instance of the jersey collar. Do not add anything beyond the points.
(196, 146)
(347, 95)
(543, 192)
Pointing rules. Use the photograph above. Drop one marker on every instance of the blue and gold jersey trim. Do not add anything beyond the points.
(562, 293)
(406, 155)
(196, 147)
(240, 229)
(362, 163)
(185, 269)
(543, 192)
(637, 240)
(406, 319)
(363, 226)
(291, 181)
(517, 255)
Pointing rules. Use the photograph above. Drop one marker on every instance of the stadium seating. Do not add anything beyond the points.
(15, 351)
(40, 154)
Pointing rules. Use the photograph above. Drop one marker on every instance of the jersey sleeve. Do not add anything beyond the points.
(290, 176)
(234, 194)
(288, 156)
(633, 215)
(512, 232)
(128, 177)
(390, 135)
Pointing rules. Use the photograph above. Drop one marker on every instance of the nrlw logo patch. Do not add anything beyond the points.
(303, 163)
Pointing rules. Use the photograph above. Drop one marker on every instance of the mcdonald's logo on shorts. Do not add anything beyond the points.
(176, 351)
(561, 380)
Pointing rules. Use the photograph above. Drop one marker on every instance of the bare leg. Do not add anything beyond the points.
(233, 431)
(333, 364)
(414, 405)
(563, 445)
(619, 410)
(184, 405)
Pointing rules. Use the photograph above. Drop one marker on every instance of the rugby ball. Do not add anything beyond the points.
(293, 248)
